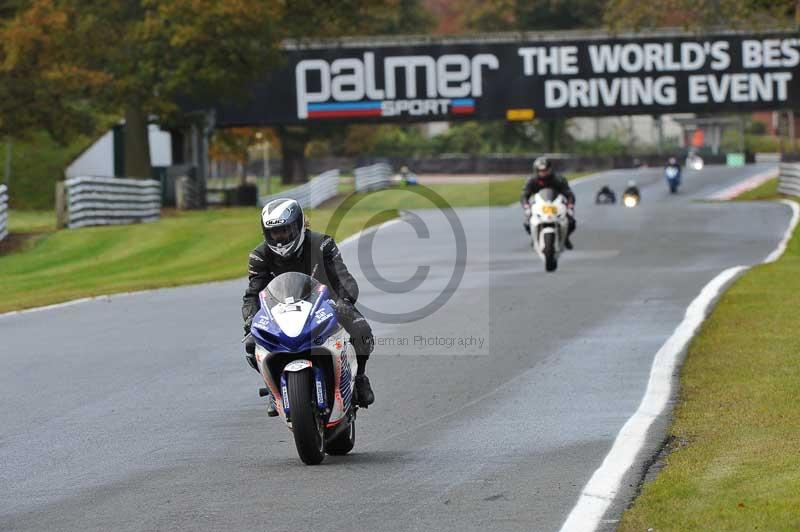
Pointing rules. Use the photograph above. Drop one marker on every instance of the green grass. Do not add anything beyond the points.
(31, 221)
(182, 248)
(733, 461)
(767, 190)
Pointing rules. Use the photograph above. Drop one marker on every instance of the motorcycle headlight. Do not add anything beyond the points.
(630, 201)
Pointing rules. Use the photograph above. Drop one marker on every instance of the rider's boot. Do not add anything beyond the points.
(363, 393)
(272, 409)
(567, 243)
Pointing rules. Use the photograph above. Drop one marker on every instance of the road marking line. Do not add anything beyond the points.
(371, 229)
(776, 254)
(602, 488)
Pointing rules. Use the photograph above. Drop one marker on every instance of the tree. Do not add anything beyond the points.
(143, 55)
(699, 14)
(39, 88)
(532, 15)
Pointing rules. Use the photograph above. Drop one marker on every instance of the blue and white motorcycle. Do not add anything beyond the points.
(673, 177)
(308, 365)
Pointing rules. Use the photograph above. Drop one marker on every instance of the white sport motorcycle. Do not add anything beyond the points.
(308, 365)
(549, 225)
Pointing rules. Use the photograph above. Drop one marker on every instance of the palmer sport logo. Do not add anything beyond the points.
(413, 85)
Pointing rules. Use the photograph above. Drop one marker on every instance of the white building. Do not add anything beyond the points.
(98, 159)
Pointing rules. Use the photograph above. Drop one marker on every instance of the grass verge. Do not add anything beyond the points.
(765, 191)
(182, 248)
(734, 444)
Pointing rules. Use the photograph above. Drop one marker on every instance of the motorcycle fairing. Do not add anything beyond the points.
(320, 335)
(318, 323)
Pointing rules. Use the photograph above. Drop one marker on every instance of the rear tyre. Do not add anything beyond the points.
(550, 261)
(308, 431)
(343, 443)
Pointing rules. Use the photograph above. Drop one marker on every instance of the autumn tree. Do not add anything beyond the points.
(531, 15)
(39, 87)
(701, 14)
(144, 55)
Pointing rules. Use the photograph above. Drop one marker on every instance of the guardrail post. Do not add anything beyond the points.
(3, 211)
(61, 205)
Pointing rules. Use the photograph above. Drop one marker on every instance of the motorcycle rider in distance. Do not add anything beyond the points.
(632, 190)
(544, 177)
(673, 163)
(605, 195)
(289, 246)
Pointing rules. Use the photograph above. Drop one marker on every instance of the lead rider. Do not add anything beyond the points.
(289, 246)
(544, 177)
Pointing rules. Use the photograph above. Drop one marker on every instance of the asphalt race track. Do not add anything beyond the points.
(139, 413)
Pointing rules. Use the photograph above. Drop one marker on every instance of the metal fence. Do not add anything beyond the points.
(767, 157)
(315, 192)
(111, 201)
(187, 194)
(373, 177)
(3, 211)
(789, 179)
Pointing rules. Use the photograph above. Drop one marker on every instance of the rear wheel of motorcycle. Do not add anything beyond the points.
(550, 261)
(343, 443)
(307, 428)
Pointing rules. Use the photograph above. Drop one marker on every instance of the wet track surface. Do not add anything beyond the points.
(492, 412)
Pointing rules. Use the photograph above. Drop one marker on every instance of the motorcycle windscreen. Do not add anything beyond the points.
(548, 194)
(293, 286)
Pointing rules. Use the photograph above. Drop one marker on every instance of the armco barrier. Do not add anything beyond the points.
(311, 194)
(111, 200)
(789, 179)
(373, 177)
(767, 157)
(3, 212)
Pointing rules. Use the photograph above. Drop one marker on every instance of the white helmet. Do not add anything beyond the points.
(284, 226)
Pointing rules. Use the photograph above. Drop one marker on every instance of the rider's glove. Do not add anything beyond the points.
(250, 345)
(247, 325)
(343, 308)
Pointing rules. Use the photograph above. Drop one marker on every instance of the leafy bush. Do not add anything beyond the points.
(36, 165)
(599, 146)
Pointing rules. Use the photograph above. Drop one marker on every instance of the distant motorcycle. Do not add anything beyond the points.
(631, 197)
(308, 365)
(673, 177)
(549, 224)
(694, 161)
(605, 196)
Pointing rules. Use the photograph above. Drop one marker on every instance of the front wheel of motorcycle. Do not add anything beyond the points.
(344, 442)
(309, 437)
(550, 261)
